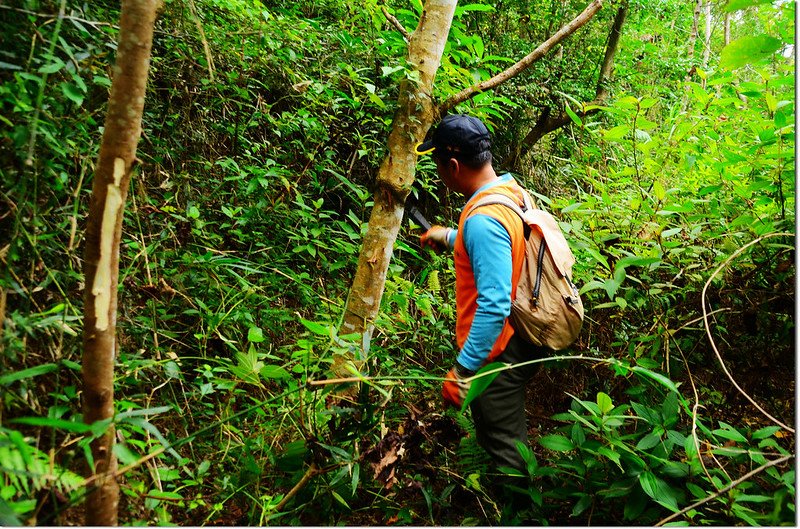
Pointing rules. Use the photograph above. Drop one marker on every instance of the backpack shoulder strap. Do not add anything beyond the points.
(497, 198)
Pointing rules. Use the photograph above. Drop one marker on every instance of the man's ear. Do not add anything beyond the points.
(453, 165)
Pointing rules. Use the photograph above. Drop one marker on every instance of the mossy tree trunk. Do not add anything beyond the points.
(101, 254)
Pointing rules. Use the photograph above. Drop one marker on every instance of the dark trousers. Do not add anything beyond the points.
(499, 412)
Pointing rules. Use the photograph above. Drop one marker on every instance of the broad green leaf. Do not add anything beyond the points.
(736, 5)
(558, 443)
(164, 495)
(479, 384)
(573, 116)
(73, 93)
(617, 133)
(765, 432)
(731, 435)
(28, 373)
(661, 379)
(659, 191)
(582, 505)
(315, 327)
(610, 454)
(270, 372)
(648, 441)
(748, 50)
(473, 7)
(659, 490)
(604, 403)
(52, 67)
(255, 334)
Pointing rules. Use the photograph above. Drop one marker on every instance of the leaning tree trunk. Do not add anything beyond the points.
(101, 255)
(414, 116)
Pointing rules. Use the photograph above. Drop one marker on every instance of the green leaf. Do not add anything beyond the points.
(658, 490)
(474, 7)
(748, 50)
(479, 384)
(736, 5)
(70, 426)
(271, 372)
(315, 327)
(661, 379)
(573, 116)
(648, 441)
(610, 454)
(52, 67)
(730, 434)
(582, 505)
(617, 133)
(765, 432)
(659, 191)
(255, 334)
(73, 93)
(28, 373)
(604, 403)
(557, 443)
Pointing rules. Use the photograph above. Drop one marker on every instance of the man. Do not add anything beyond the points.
(489, 249)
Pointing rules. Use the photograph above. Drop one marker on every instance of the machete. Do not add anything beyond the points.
(422, 221)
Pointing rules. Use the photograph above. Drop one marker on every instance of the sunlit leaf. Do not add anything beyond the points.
(482, 382)
(748, 50)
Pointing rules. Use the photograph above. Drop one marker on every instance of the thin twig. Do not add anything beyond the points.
(206, 49)
(696, 406)
(708, 327)
(365, 378)
(310, 473)
(730, 485)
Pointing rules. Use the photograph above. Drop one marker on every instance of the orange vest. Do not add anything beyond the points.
(466, 291)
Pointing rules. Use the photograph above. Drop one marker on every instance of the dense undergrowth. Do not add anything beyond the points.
(241, 234)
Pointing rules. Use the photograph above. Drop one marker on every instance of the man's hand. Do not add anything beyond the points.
(436, 238)
(455, 388)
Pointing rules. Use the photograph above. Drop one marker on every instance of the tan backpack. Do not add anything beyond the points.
(547, 309)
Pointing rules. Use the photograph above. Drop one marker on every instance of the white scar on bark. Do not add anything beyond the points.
(101, 288)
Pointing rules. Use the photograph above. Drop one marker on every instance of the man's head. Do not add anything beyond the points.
(462, 137)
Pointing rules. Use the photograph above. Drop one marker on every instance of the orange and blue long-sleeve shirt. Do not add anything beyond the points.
(489, 249)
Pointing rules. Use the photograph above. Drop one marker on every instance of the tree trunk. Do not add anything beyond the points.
(549, 122)
(414, 116)
(101, 255)
(727, 28)
(707, 40)
(693, 37)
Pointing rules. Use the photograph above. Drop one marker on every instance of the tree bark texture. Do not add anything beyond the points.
(548, 121)
(101, 254)
(414, 116)
(567, 30)
(727, 28)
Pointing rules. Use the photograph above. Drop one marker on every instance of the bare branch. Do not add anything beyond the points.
(396, 23)
(525, 63)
